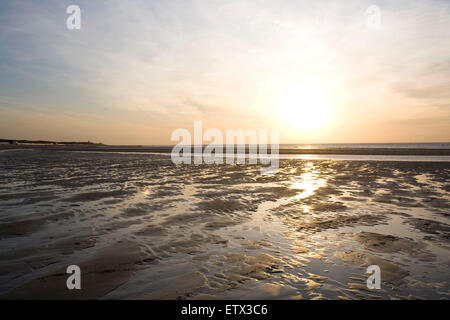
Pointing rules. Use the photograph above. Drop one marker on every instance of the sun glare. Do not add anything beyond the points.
(305, 107)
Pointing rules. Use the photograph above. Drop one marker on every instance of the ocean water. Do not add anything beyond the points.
(428, 145)
(415, 145)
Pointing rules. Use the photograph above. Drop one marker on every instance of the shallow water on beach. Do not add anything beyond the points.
(143, 228)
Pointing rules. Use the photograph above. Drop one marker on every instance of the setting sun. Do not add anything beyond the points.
(305, 107)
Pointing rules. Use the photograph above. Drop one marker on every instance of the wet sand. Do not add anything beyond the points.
(283, 151)
(142, 228)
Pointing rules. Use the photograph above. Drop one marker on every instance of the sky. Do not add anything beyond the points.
(318, 71)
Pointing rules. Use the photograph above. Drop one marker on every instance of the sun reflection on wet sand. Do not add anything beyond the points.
(307, 181)
(146, 191)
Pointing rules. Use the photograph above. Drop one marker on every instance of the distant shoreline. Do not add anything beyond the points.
(292, 151)
(44, 142)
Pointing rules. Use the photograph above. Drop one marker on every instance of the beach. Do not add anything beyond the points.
(351, 149)
(141, 227)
